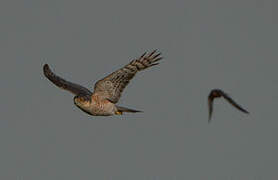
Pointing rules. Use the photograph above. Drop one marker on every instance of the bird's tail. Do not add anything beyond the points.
(121, 109)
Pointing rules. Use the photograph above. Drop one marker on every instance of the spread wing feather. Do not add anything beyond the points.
(112, 86)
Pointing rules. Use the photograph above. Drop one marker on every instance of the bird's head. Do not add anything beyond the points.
(82, 101)
(216, 93)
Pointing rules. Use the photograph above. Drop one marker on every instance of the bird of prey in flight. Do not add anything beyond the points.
(217, 93)
(107, 91)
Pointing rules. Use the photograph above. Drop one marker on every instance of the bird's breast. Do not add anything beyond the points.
(101, 106)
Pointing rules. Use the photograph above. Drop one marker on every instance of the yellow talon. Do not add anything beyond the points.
(118, 112)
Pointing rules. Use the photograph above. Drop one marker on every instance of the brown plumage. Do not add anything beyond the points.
(108, 90)
(217, 93)
(112, 86)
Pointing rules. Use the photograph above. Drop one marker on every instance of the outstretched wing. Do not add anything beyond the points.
(210, 106)
(111, 86)
(232, 102)
(62, 83)
(216, 93)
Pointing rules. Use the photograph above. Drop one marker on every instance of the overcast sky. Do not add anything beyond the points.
(227, 44)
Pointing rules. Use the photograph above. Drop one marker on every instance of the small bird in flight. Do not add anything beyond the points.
(107, 91)
(217, 93)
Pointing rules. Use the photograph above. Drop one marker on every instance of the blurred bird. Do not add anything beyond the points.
(107, 91)
(217, 93)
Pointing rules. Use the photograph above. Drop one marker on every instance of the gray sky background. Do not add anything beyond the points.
(224, 44)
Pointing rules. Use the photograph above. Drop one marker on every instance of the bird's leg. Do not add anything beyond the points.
(118, 112)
